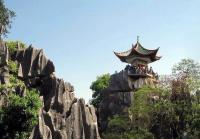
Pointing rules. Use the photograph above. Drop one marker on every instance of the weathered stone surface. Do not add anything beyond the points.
(112, 104)
(121, 82)
(4, 54)
(64, 116)
(117, 97)
(33, 63)
(4, 75)
(3, 95)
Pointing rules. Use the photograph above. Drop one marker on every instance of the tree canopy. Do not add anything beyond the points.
(188, 72)
(6, 16)
(99, 84)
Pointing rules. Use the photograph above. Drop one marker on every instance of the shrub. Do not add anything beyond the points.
(119, 123)
(20, 114)
(12, 66)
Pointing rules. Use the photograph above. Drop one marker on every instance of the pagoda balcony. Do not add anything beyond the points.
(136, 72)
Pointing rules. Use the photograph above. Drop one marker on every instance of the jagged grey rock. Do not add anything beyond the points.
(122, 82)
(4, 54)
(118, 96)
(33, 63)
(113, 104)
(62, 116)
(119, 82)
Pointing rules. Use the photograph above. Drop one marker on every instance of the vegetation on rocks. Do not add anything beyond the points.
(99, 84)
(162, 113)
(12, 66)
(19, 113)
(12, 46)
(157, 118)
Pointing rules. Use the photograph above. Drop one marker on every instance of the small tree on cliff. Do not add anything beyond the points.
(6, 16)
(101, 83)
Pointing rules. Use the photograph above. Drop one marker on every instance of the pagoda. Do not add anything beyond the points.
(138, 59)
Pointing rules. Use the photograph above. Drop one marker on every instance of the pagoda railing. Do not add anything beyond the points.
(141, 72)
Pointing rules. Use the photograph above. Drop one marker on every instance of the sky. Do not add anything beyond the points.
(79, 36)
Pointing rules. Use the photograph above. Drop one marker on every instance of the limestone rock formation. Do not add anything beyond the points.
(118, 96)
(4, 73)
(33, 63)
(62, 116)
(121, 82)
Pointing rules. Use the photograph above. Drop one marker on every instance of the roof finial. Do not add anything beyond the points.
(138, 39)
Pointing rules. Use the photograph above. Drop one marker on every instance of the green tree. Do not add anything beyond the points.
(6, 16)
(137, 123)
(20, 115)
(20, 105)
(101, 83)
(187, 71)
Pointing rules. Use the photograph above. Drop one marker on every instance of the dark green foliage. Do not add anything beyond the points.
(20, 115)
(120, 127)
(119, 123)
(5, 17)
(135, 125)
(195, 120)
(139, 134)
(101, 83)
(156, 114)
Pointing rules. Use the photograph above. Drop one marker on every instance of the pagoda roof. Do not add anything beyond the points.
(139, 51)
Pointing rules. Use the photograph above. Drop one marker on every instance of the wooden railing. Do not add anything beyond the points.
(142, 73)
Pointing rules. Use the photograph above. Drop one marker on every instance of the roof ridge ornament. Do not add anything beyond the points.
(138, 39)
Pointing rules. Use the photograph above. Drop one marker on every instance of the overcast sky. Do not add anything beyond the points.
(79, 36)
